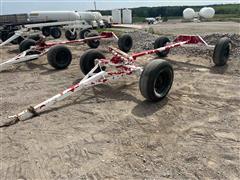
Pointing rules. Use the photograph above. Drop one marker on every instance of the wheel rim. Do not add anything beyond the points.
(85, 34)
(95, 41)
(167, 50)
(46, 31)
(72, 35)
(56, 34)
(163, 82)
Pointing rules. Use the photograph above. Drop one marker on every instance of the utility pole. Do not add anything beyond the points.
(95, 6)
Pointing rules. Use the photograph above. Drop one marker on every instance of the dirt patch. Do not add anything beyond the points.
(111, 132)
(203, 28)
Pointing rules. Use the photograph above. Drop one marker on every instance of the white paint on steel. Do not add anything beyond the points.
(78, 24)
(36, 16)
(15, 36)
(18, 59)
(91, 81)
(53, 24)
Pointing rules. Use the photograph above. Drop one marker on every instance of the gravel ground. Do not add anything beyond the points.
(145, 40)
(111, 132)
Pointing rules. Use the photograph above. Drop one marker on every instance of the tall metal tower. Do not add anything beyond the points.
(95, 5)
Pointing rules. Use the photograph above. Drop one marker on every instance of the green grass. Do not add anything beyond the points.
(226, 17)
(138, 19)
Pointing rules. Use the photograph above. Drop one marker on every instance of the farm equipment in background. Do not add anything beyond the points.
(155, 79)
(60, 56)
(47, 28)
(11, 23)
(15, 27)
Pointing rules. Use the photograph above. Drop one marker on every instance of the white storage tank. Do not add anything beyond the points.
(36, 16)
(127, 16)
(117, 16)
(88, 16)
(188, 13)
(109, 19)
(98, 15)
(207, 12)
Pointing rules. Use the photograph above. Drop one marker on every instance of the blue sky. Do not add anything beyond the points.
(25, 6)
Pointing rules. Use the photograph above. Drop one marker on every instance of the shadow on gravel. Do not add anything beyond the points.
(101, 93)
(187, 64)
(71, 103)
(104, 93)
(13, 51)
(108, 92)
(32, 66)
(50, 71)
(219, 70)
(146, 108)
(212, 69)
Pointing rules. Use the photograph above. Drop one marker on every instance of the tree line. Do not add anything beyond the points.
(168, 11)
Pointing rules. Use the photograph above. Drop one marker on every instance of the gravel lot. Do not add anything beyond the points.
(111, 132)
(203, 28)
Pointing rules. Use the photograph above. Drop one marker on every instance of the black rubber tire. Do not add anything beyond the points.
(125, 42)
(87, 61)
(222, 51)
(161, 42)
(36, 37)
(156, 80)
(93, 43)
(15, 41)
(59, 57)
(4, 37)
(83, 33)
(55, 32)
(26, 44)
(46, 31)
(109, 25)
(20, 39)
(69, 36)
